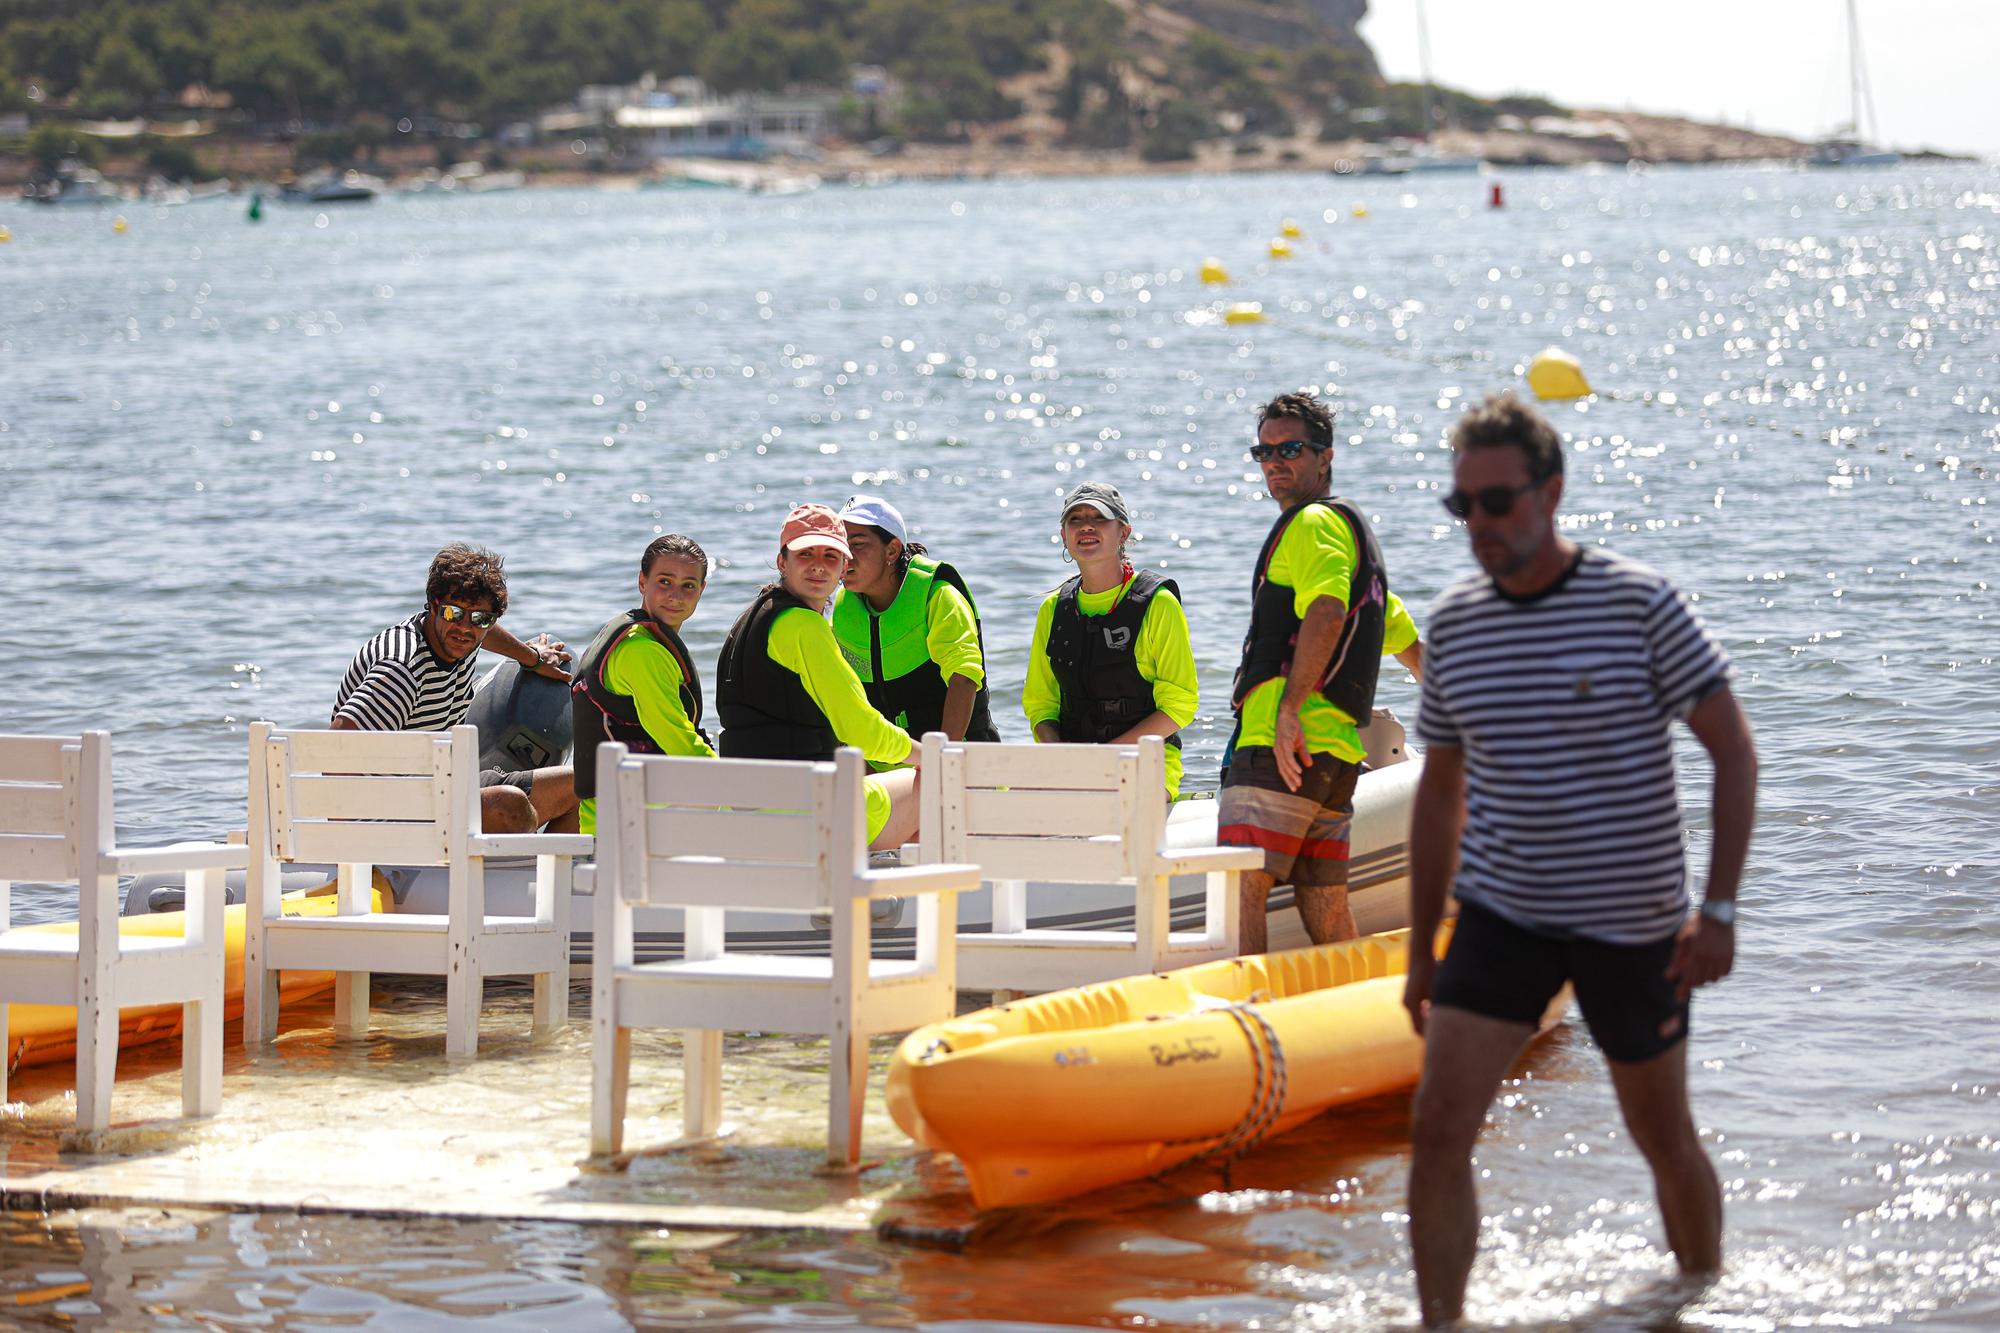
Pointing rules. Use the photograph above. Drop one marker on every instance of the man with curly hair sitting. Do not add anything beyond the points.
(417, 675)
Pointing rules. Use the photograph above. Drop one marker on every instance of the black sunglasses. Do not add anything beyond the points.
(451, 615)
(1290, 449)
(1497, 501)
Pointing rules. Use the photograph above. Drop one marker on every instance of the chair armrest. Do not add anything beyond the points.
(1202, 860)
(181, 856)
(583, 879)
(534, 844)
(897, 881)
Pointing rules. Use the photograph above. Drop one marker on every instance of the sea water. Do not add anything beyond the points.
(230, 449)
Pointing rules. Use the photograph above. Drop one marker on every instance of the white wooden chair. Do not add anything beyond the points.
(56, 827)
(1071, 814)
(712, 835)
(360, 799)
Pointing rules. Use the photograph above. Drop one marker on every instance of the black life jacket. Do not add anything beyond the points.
(1349, 682)
(598, 713)
(890, 652)
(1096, 661)
(765, 710)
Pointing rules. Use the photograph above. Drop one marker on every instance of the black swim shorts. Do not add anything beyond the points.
(1505, 971)
(499, 777)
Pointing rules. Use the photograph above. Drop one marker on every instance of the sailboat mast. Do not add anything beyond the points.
(1424, 64)
(1854, 66)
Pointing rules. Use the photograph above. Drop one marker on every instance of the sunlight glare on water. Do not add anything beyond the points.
(232, 449)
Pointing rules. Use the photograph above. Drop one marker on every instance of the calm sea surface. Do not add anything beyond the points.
(229, 450)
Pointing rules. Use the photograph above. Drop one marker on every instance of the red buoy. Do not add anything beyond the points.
(1498, 200)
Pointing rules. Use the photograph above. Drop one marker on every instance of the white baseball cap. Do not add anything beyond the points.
(873, 511)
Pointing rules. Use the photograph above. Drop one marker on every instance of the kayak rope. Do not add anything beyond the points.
(1268, 1083)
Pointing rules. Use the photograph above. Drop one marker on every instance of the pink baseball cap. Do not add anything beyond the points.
(814, 525)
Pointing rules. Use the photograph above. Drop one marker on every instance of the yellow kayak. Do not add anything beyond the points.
(40, 1034)
(1072, 1091)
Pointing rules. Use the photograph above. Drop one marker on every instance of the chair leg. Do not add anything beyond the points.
(464, 990)
(847, 1058)
(201, 1056)
(610, 1080)
(260, 1007)
(701, 1083)
(96, 1061)
(350, 1005)
(551, 1002)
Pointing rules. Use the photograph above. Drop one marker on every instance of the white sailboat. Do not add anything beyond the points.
(1851, 148)
(1425, 158)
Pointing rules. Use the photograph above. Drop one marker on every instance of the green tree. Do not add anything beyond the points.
(51, 143)
(1176, 128)
(121, 77)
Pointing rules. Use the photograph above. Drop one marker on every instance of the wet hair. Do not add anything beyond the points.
(673, 544)
(1504, 421)
(467, 573)
(1301, 407)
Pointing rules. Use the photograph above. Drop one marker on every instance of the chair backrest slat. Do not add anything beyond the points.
(36, 807)
(382, 752)
(317, 796)
(751, 784)
(314, 841)
(34, 758)
(736, 834)
(1052, 860)
(1065, 768)
(38, 858)
(1053, 814)
(737, 885)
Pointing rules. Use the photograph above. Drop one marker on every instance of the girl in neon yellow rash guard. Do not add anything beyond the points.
(783, 691)
(1111, 659)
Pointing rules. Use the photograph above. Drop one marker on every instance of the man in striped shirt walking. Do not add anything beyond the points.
(417, 675)
(1548, 805)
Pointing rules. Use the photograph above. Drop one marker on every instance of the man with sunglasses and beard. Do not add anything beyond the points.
(417, 675)
(1321, 618)
(1548, 804)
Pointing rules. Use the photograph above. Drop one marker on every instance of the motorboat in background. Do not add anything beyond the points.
(348, 187)
(73, 183)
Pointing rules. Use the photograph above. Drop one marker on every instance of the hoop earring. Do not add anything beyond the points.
(1067, 559)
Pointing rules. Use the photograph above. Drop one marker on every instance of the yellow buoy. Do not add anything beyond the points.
(5, 235)
(1281, 249)
(1554, 373)
(1213, 273)
(1360, 210)
(118, 224)
(1244, 312)
(1290, 228)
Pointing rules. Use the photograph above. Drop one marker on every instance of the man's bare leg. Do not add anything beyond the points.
(1255, 888)
(1654, 1097)
(505, 810)
(1324, 909)
(1465, 1057)
(554, 799)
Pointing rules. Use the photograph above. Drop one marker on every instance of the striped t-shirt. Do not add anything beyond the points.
(396, 683)
(1563, 704)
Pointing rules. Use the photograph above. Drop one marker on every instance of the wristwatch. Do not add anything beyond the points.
(1721, 911)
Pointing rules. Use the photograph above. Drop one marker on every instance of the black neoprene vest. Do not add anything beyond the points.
(765, 710)
(1349, 683)
(1096, 661)
(598, 713)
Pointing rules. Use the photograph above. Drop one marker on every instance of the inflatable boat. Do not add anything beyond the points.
(1075, 1090)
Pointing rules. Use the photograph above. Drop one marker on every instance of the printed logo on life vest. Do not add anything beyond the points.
(1073, 1057)
(1116, 637)
(1197, 1049)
